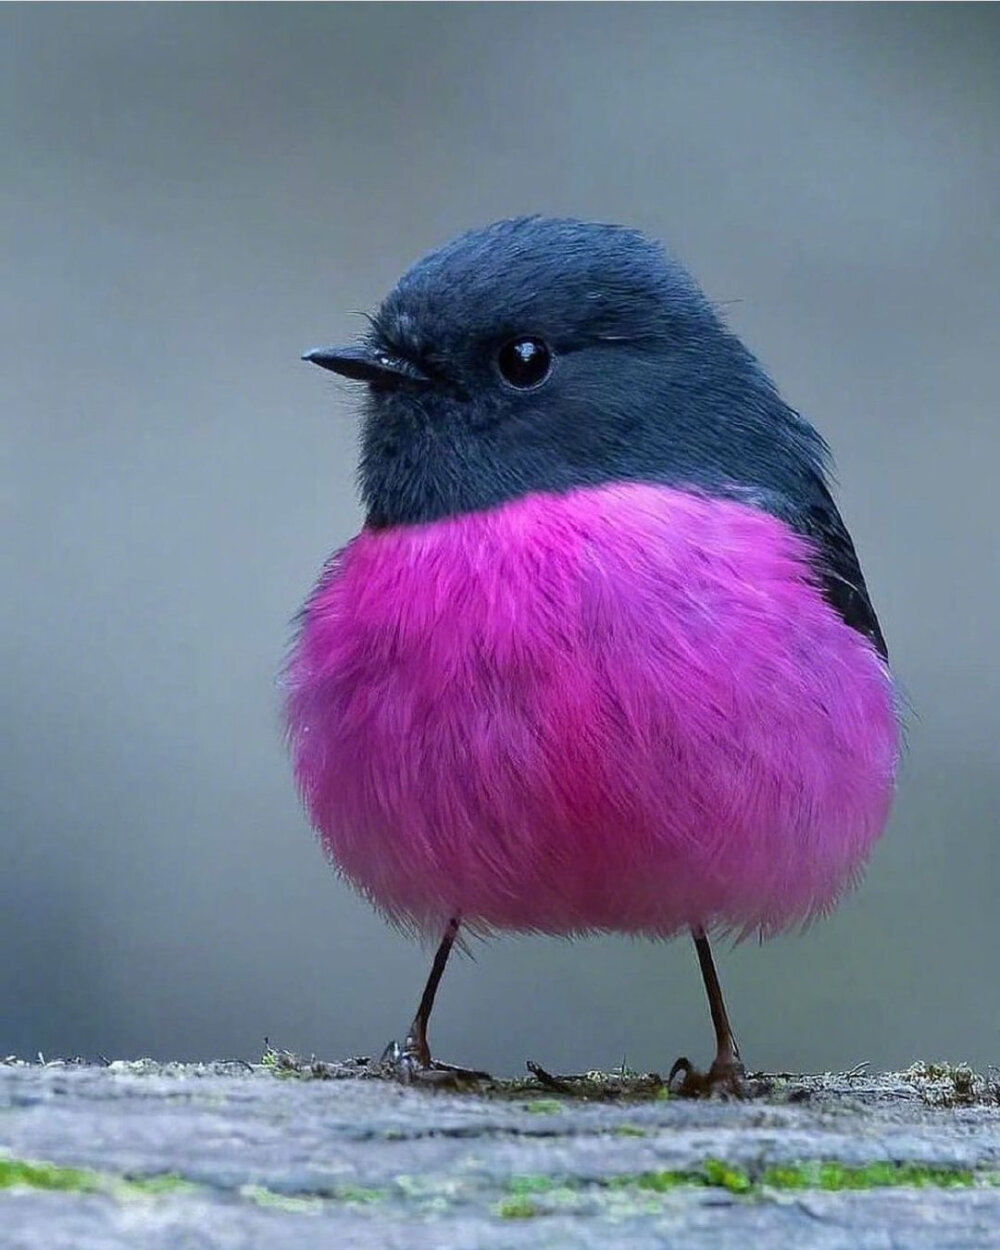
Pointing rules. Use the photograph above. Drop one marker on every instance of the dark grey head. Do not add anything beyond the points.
(541, 355)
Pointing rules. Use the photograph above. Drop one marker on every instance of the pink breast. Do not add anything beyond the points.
(624, 708)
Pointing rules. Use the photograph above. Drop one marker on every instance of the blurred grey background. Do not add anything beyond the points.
(196, 193)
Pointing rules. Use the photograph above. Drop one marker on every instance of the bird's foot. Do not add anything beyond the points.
(726, 1078)
(411, 1064)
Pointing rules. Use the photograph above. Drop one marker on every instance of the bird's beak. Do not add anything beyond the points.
(366, 364)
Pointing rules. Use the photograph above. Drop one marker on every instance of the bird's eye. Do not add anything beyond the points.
(524, 362)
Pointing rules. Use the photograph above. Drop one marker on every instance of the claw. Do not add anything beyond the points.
(725, 1078)
(406, 1065)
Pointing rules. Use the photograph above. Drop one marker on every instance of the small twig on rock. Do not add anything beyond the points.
(547, 1079)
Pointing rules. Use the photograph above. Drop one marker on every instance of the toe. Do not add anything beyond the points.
(726, 1078)
(408, 1066)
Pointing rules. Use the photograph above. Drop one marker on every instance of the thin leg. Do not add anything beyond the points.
(416, 1038)
(412, 1061)
(726, 1073)
(726, 1050)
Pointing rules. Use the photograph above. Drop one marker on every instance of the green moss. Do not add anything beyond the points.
(829, 1176)
(533, 1184)
(16, 1173)
(629, 1130)
(655, 1182)
(716, 1174)
(544, 1106)
(880, 1175)
(292, 1203)
(722, 1176)
(281, 1063)
(517, 1209)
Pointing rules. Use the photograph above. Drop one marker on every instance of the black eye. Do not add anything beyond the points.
(524, 362)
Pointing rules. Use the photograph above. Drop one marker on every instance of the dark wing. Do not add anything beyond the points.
(842, 579)
(816, 517)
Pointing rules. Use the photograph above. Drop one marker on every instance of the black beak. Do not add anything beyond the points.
(366, 364)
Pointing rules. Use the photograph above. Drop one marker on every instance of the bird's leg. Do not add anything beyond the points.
(416, 1037)
(412, 1061)
(726, 1075)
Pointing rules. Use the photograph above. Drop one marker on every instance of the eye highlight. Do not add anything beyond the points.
(524, 362)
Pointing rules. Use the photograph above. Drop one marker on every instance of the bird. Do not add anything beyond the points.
(601, 658)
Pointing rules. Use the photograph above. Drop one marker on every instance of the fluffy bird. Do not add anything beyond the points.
(602, 658)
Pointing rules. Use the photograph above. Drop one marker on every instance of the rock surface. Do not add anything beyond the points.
(233, 1156)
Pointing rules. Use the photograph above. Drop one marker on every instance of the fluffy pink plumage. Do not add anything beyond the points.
(624, 708)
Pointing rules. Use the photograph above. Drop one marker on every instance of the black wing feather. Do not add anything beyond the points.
(817, 518)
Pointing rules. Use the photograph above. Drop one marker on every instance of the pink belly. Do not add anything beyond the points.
(626, 708)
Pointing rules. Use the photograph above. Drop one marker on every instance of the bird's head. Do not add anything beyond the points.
(540, 355)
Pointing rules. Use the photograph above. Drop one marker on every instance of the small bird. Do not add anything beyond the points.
(602, 658)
